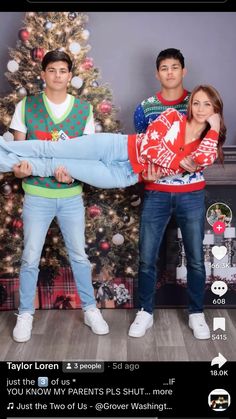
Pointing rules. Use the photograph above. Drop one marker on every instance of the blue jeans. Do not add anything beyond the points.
(101, 160)
(38, 213)
(189, 210)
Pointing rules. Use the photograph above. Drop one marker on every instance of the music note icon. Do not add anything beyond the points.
(10, 406)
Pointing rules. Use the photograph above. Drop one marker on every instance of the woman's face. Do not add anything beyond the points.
(202, 107)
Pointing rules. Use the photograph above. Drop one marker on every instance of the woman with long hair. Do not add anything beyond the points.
(172, 142)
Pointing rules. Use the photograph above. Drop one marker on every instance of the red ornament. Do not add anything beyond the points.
(87, 64)
(105, 246)
(105, 106)
(37, 54)
(94, 211)
(23, 35)
(17, 223)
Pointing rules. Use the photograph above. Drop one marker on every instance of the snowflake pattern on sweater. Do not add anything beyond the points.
(164, 145)
(149, 109)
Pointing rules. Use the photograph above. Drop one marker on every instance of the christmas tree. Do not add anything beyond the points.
(111, 229)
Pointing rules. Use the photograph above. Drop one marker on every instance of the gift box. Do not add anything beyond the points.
(9, 294)
(104, 293)
(61, 293)
(123, 292)
(114, 293)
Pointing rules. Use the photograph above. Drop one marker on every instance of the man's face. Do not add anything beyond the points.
(56, 76)
(170, 73)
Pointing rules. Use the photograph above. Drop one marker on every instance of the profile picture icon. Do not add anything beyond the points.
(219, 399)
(219, 212)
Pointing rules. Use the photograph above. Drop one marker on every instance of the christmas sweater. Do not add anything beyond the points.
(43, 125)
(163, 144)
(149, 109)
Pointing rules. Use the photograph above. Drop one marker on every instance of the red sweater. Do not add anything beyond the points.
(163, 144)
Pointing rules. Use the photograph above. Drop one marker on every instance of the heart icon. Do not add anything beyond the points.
(219, 251)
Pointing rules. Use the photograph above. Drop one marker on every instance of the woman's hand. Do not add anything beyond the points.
(152, 174)
(214, 121)
(188, 164)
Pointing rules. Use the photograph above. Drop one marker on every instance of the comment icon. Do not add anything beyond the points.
(219, 288)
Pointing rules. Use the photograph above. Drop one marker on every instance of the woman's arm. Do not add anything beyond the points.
(207, 152)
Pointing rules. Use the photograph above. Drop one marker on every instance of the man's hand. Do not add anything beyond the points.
(22, 169)
(188, 164)
(61, 174)
(152, 174)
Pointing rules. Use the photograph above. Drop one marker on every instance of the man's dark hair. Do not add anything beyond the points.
(170, 53)
(54, 56)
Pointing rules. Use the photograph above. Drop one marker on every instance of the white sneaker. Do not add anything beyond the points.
(142, 322)
(199, 326)
(23, 327)
(93, 318)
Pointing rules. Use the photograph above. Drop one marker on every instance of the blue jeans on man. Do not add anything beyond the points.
(38, 213)
(189, 210)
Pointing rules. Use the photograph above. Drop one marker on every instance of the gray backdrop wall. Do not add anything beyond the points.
(125, 45)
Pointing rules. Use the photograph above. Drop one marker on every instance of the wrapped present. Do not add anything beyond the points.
(61, 293)
(123, 292)
(9, 294)
(104, 294)
(114, 293)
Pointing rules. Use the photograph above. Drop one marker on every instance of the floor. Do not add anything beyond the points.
(60, 335)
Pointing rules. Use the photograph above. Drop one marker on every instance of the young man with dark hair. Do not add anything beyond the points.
(170, 71)
(48, 116)
(155, 215)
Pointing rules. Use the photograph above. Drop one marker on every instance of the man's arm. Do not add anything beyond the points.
(140, 123)
(19, 136)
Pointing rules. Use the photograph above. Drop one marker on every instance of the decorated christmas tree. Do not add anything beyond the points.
(112, 226)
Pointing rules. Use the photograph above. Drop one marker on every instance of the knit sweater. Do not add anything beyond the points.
(149, 109)
(42, 124)
(163, 144)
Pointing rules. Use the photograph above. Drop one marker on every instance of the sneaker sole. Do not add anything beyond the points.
(105, 332)
(138, 335)
(21, 340)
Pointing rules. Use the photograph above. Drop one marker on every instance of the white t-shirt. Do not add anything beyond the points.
(57, 110)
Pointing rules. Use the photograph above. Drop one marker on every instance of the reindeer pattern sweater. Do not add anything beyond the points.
(163, 144)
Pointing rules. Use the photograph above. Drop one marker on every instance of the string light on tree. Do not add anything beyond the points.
(85, 34)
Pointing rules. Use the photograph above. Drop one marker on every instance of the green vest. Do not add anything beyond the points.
(42, 125)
